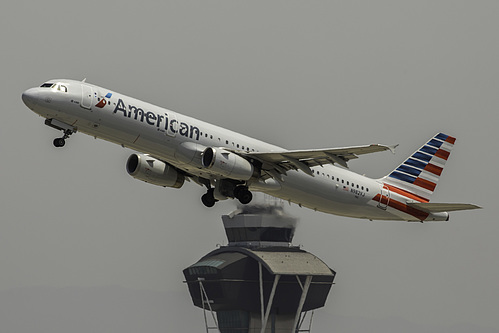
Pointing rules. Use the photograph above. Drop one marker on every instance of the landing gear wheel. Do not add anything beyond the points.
(59, 142)
(208, 199)
(66, 129)
(243, 195)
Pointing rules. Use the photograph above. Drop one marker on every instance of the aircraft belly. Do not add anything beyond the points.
(310, 192)
(325, 196)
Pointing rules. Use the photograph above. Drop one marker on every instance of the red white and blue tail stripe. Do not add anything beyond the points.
(420, 173)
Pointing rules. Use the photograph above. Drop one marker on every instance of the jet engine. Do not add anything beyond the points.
(153, 171)
(227, 164)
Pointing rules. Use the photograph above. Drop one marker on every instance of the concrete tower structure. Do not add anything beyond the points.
(259, 282)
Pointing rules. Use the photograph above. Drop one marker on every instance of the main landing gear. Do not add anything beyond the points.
(208, 199)
(240, 193)
(59, 125)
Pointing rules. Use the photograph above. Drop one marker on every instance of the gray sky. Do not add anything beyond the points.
(84, 247)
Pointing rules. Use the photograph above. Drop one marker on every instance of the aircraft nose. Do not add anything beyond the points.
(30, 97)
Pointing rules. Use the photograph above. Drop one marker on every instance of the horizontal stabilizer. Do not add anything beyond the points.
(441, 207)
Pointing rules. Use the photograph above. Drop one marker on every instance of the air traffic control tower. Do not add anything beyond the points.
(259, 282)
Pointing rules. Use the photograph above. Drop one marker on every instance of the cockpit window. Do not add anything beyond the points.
(56, 86)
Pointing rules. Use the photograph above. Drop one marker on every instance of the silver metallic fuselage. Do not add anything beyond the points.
(164, 134)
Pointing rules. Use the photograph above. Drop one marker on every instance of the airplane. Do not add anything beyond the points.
(172, 148)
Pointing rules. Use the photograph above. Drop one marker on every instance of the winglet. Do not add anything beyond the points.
(392, 148)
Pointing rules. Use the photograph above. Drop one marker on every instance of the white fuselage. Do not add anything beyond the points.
(162, 133)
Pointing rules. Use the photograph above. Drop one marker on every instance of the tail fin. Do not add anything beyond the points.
(420, 173)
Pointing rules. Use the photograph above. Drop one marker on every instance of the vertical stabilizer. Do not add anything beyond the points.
(420, 173)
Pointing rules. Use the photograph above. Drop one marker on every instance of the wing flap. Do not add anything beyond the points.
(441, 207)
(305, 159)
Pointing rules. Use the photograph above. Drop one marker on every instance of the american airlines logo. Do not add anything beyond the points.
(102, 103)
(163, 123)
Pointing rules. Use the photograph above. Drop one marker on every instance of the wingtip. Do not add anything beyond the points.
(392, 148)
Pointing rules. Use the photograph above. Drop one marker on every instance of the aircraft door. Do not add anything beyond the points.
(384, 198)
(86, 96)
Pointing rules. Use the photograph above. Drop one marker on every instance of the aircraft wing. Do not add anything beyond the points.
(278, 162)
(441, 207)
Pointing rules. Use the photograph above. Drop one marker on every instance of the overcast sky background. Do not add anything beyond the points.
(86, 248)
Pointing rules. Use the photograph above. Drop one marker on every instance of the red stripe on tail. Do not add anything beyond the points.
(450, 139)
(420, 215)
(406, 193)
(426, 184)
(436, 170)
(444, 154)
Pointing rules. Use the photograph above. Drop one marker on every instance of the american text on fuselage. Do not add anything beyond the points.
(165, 122)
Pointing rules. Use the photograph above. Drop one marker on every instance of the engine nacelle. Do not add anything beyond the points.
(153, 171)
(227, 164)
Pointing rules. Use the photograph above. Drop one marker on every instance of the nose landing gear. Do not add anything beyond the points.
(60, 142)
(59, 125)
